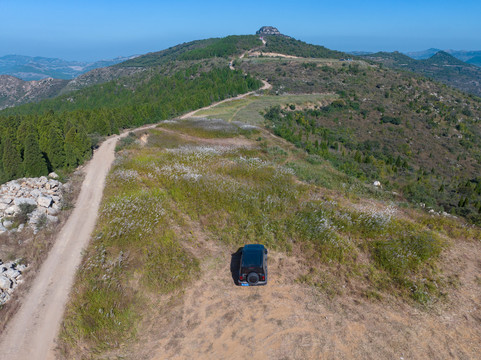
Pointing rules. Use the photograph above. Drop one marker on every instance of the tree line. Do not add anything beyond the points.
(61, 132)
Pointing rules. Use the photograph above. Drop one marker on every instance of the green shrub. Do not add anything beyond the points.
(25, 210)
(407, 252)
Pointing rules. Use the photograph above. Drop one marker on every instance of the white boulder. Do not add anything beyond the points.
(6, 200)
(12, 273)
(51, 218)
(52, 211)
(35, 193)
(23, 200)
(5, 282)
(44, 201)
(7, 223)
(11, 210)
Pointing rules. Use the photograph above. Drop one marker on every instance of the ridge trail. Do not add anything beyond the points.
(266, 86)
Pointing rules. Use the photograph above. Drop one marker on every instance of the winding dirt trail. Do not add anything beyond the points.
(32, 331)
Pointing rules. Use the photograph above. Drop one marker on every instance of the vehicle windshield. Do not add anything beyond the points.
(252, 259)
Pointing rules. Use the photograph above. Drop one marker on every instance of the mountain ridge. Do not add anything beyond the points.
(469, 56)
(30, 68)
(441, 66)
(220, 49)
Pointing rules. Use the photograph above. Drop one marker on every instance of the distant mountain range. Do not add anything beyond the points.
(468, 56)
(38, 68)
(441, 66)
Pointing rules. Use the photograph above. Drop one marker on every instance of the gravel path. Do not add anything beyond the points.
(32, 331)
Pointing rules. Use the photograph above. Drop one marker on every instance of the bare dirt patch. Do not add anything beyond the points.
(144, 139)
(215, 319)
(271, 54)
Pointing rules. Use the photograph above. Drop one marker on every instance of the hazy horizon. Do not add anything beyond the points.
(90, 31)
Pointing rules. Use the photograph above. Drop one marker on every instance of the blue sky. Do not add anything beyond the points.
(92, 30)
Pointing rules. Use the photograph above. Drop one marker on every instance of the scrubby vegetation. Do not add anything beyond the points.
(417, 137)
(200, 49)
(159, 195)
(290, 46)
(441, 67)
(306, 192)
(371, 160)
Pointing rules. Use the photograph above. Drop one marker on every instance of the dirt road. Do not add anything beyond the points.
(32, 331)
(192, 113)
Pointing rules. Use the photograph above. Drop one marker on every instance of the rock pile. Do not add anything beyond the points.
(43, 194)
(10, 278)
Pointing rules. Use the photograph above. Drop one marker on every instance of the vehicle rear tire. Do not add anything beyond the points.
(253, 278)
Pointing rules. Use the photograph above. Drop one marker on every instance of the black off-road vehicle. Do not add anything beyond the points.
(253, 265)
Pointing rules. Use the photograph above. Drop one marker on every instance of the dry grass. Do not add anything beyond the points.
(156, 282)
(249, 110)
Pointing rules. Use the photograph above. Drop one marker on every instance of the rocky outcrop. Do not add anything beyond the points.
(43, 195)
(268, 30)
(10, 278)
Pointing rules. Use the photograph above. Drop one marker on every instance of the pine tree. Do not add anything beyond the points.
(12, 163)
(21, 136)
(33, 163)
(71, 159)
(358, 156)
(55, 147)
(83, 145)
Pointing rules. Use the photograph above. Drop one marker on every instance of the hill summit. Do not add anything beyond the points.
(268, 30)
(443, 58)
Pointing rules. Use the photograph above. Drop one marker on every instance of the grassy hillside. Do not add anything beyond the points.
(416, 136)
(290, 46)
(190, 191)
(292, 169)
(195, 50)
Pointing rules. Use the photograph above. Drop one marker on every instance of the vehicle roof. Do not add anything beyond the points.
(253, 247)
(253, 255)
